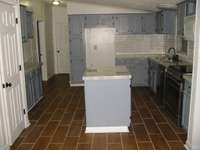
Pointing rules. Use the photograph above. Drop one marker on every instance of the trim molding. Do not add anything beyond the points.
(188, 146)
(75, 84)
(120, 129)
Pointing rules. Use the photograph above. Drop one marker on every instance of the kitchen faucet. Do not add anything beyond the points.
(172, 57)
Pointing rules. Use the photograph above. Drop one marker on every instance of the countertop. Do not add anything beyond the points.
(159, 58)
(163, 60)
(188, 77)
(112, 73)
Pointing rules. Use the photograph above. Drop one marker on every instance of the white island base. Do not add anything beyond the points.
(107, 100)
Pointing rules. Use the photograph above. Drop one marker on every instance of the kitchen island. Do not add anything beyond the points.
(107, 99)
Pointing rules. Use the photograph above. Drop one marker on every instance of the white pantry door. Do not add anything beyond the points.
(10, 72)
(61, 49)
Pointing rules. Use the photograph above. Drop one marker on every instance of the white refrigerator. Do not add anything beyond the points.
(100, 47)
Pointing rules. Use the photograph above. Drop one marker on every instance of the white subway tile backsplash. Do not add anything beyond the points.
(144, 44)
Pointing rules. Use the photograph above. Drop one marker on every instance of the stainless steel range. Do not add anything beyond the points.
(173, 93)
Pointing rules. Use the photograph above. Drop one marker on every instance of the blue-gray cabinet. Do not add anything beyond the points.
(134, 23)
(34, 90)
(181, 12)
(186, 104)
(148, 23)
(136, 67)
(166, 21)
(29, 19)
(76, 44)
(23, 23)
(26, 23)
(190, 7)
(153, 75)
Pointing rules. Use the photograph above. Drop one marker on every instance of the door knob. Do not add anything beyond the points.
(58, 51)
(8, 84)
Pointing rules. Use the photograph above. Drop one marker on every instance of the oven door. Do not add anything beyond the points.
(173, 97)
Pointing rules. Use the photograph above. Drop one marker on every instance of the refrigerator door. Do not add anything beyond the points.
(100, 47)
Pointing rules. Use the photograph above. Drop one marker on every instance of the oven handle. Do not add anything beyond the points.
(168, 75)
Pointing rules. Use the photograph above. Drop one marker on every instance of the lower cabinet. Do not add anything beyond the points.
(186, 104)
(34, 89)
(153, 75)
(138, 67)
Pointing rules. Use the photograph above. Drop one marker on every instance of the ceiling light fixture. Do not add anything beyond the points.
(56, 2)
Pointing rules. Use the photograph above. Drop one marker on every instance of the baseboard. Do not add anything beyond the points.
(76, 84)
(4, 147)
(188, 146)
(120, 129)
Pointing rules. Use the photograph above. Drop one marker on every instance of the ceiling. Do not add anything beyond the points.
(151, 5)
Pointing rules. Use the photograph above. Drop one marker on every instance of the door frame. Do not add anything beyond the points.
(43, 51)
(16, 6)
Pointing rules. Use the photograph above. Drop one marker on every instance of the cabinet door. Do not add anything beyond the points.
(76, 48)
(159, 22)
(77, 70)
(134, 23)
(121, 24)
(92, 21)
(23, 23)
(75, 25)
(148, 23)
(106, 20)
(169, 22)
(180, 18)
(190, 7)
(29, 90)
(29, 22)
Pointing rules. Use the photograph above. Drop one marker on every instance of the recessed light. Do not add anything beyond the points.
(56, 2)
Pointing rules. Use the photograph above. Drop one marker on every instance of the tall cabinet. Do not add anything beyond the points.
(77, 52)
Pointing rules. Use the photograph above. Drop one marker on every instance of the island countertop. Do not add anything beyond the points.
(118, 72)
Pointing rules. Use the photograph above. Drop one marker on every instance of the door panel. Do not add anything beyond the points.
(61, 47)
(9, 54)
(135, 23)
(76, 48)
(75, 25)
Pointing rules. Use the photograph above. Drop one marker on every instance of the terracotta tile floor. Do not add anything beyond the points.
(58, 123)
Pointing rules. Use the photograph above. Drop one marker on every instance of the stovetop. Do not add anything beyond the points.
(181, 68)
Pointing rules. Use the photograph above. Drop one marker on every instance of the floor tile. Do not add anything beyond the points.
(141, 133)
(54, 147)
(159, 142)
(41, 144)
(50, 128)
(145, 146)
(168, 132)
(60, 134)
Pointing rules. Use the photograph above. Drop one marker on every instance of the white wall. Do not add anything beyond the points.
(86, 8)
(49, 40)
(193, 139)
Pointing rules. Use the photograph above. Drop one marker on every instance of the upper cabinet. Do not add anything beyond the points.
(181, 12)
(135, 23)
(26, 23)
(190, 7)
(166, 21)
